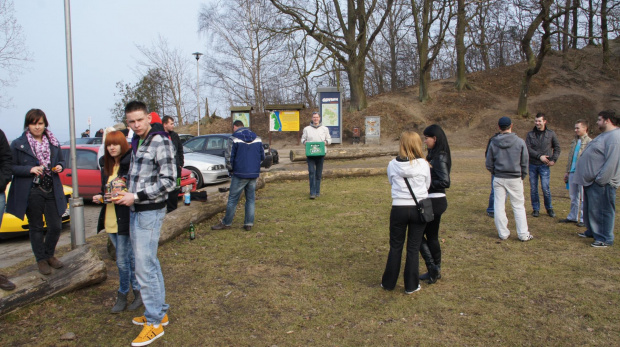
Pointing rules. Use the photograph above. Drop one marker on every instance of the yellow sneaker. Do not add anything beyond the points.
(142, 320)
(148, 334)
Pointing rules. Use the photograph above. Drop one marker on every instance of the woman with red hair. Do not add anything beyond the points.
(115, 218)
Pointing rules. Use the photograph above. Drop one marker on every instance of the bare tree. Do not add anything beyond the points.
(173, 67)
(430, 16)
(344, 33)
(545, 17)
(13, 52)
(245, 52)
(461, 24)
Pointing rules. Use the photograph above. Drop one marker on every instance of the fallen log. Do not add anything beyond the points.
(83, 268)
(177, 221)
(329, 173)
(346, 153)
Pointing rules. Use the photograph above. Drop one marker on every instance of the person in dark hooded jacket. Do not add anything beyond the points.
(243, 157)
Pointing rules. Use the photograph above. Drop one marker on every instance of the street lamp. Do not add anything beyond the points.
(198, 54)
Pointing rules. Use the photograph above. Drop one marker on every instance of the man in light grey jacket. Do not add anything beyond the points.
(507, 159)
(598, 171)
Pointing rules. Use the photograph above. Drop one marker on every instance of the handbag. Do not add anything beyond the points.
(424, 207)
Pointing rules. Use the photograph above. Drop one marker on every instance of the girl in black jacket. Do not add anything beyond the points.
(439, 158)
(36, 190)
(115, 218)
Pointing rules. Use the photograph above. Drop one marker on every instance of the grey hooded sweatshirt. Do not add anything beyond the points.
(507, 156)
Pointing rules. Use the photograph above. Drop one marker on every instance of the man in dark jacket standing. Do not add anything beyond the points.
(507, 160)
(173, 196)
(544, 150)
(6, 160)
(243, 157)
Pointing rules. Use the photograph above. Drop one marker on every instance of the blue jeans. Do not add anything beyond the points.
(145, 227)
(315, 173)
(599, 212)
(545, 175)
(125, 262)
(237, 185)
(491, 209)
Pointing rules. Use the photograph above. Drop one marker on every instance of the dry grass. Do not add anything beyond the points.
(309, 272)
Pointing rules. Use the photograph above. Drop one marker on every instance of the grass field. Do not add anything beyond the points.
(309, 274)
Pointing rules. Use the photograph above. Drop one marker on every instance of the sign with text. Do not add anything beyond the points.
(242, 116)
(284, 121)
(330, 108)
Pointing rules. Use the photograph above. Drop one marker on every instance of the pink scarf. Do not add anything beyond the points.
(42, 149)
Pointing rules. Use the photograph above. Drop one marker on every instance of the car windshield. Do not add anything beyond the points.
(187, 150)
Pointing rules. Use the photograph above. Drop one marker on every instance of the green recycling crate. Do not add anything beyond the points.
(315, 149)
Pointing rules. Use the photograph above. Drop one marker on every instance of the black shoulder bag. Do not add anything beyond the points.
(424, 207)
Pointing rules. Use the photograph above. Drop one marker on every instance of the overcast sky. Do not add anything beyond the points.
(104, 37)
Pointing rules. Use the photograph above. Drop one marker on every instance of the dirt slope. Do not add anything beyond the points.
(565, 89)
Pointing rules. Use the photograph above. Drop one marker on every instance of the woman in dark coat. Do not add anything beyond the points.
(115, 218)
(441, 163)
(36, 190)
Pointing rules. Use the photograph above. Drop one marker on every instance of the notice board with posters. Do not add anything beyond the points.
(242, 116)
(284, 121)
(330, 109)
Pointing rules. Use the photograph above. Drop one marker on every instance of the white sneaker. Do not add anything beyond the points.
(413, 291)
(529, 237)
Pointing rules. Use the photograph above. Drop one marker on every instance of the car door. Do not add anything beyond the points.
(89, 175)
(216, 145)
(197, 144)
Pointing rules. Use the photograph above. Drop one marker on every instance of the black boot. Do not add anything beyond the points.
(137, 301)
(121, 302)
(428, 260)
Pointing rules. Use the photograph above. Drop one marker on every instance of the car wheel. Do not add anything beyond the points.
(276, 158)
(197, 174)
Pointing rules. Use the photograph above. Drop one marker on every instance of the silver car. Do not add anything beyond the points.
(207, 168)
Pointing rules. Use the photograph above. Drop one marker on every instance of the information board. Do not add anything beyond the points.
(331, 112)
(242, 116)
(284, 121)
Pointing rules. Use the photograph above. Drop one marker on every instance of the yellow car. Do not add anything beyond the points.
(13, 226)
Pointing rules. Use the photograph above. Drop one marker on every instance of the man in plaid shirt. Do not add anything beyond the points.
(152, 174)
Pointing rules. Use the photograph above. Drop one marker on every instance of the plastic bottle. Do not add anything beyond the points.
(192, 231)
(187, 197)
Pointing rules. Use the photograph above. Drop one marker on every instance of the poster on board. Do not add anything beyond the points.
(330, 109)
(284, 121)
(242, 116)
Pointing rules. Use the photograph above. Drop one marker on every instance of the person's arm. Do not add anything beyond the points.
(179, 147)
(328, 137)
(555, 143)
(525, 162)
(441, 171)
(530, 149)
(610, 166)
(228, 154)
(490, 160)
(304, 136)
(6, 160)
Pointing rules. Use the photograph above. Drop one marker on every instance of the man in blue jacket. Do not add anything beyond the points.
(243, 157)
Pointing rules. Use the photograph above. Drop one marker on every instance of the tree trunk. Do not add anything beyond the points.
(461, 22)
(83, 268)
(566, 21)
(356, 70)
(590, 23)
(604, 34)
(348, 153)
(425, 82)
(575, 28)
(525, 88)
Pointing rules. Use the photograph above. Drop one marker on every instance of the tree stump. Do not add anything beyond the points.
(83, 268)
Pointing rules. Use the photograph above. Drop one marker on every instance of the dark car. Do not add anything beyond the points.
(273, 152)
(216, 144)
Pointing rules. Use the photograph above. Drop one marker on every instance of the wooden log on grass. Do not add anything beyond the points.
(346, 153)
(177, 221)
(329, 173)
(83, 268)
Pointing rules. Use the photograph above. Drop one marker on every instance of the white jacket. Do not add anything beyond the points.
(316, 134)
(418, 172)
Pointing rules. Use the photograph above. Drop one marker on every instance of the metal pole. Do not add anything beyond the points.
(76, 204)
(198, 54)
